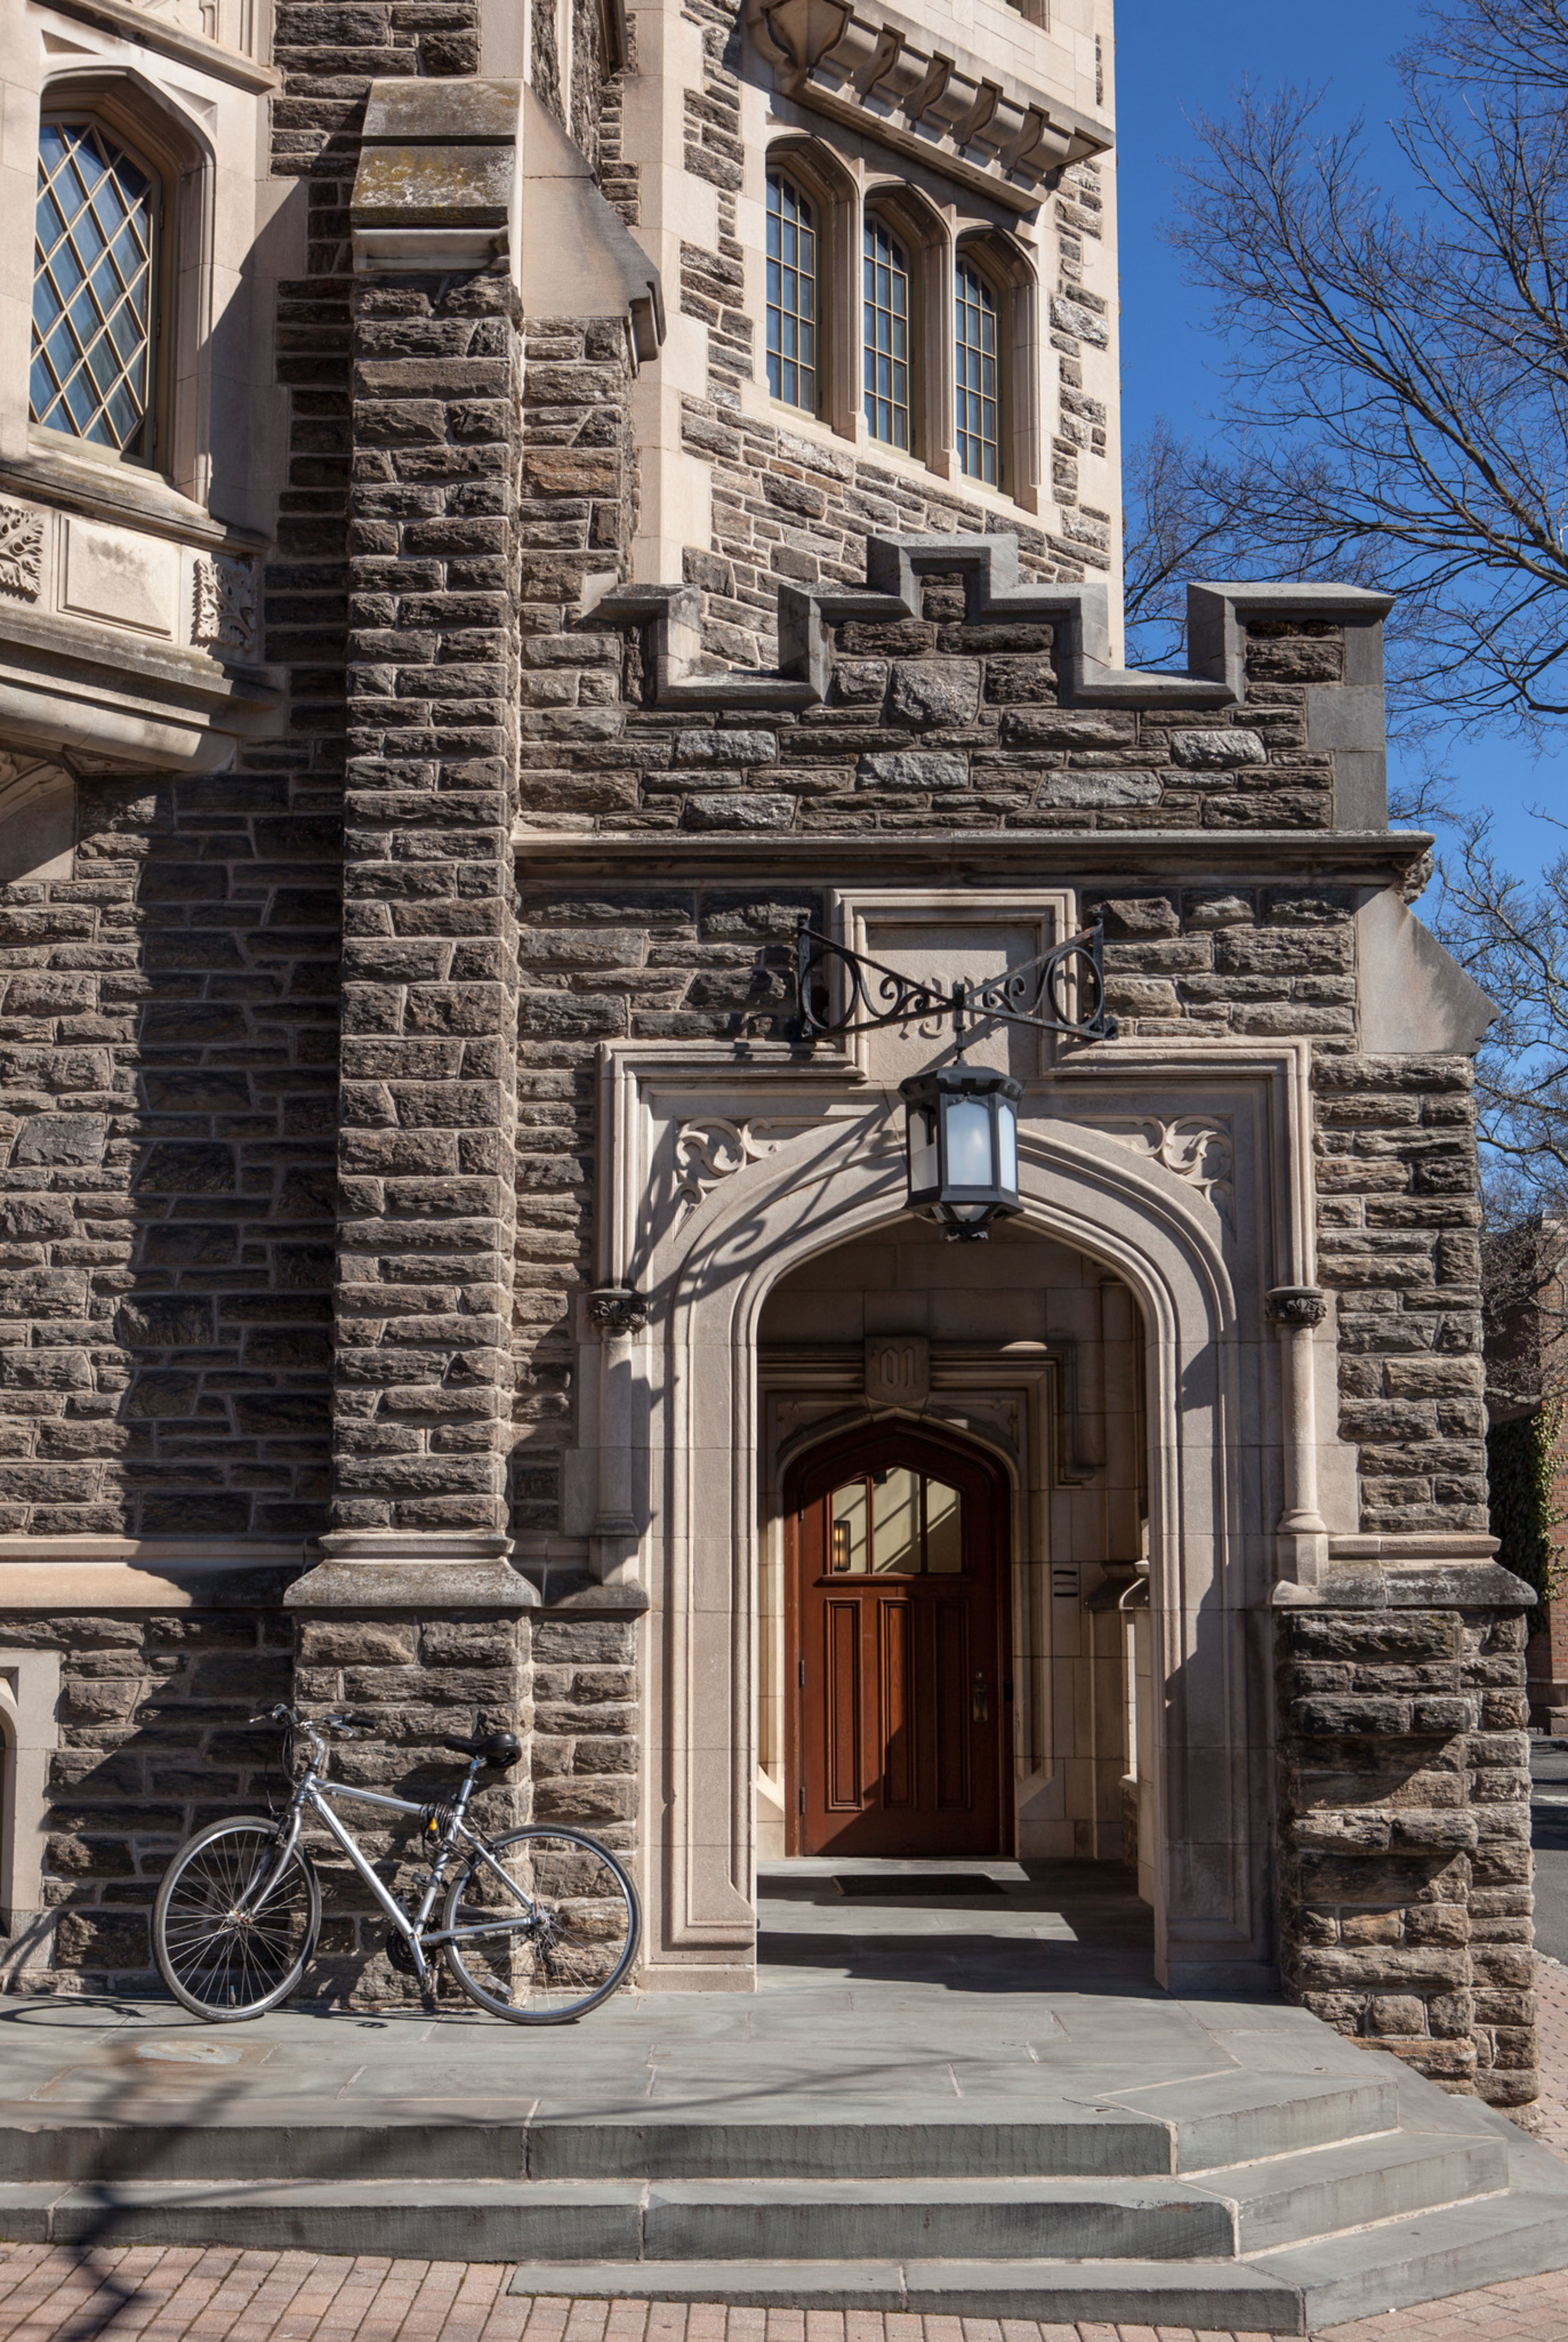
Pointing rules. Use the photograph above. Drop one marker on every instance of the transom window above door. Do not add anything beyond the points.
(895, 1523)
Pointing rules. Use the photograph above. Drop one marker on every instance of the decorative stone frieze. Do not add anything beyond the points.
(876, 71)
(21, 551)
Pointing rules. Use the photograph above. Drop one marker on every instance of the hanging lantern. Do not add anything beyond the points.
(963, 1137)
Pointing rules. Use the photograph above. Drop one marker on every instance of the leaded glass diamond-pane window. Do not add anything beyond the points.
(792, 293)
(93, 288)
(886, 335)
(974, 310)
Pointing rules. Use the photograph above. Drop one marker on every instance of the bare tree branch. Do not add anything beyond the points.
(1399, 377)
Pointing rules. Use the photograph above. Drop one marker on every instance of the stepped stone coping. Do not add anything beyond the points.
(994, 596)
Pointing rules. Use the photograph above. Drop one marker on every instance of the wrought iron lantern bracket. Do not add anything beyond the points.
(1061, 991)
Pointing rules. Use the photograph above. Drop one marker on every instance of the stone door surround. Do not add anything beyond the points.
(1184, 1169)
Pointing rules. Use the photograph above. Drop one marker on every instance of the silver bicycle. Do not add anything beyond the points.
(539, 1926)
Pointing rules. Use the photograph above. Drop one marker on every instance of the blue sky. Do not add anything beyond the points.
(1172, 62)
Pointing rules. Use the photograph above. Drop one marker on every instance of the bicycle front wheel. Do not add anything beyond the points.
(223, 1953)
(543, 1926)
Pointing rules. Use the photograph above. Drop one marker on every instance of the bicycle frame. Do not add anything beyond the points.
(313, 1796)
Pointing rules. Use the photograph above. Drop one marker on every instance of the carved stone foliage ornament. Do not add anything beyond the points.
(715, 1148)
(1194, 1147)
(21, 551)
(225, 616)
(616, 1309)
(1296, 1304)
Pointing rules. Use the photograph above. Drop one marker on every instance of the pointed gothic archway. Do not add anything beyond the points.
(794, 1161)
(898, 1668)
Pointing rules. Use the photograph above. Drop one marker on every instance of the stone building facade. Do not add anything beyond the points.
(437, 1272)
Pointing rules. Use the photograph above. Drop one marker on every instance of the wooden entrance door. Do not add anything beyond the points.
(896, 1542)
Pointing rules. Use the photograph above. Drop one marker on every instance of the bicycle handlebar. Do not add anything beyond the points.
(347, 1726)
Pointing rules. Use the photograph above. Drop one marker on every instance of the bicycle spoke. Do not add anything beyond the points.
(555, 1922)
(220, 1950)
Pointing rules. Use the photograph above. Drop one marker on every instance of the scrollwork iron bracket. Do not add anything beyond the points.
(1062, 991)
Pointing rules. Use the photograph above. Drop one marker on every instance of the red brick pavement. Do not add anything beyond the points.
(144, 2294)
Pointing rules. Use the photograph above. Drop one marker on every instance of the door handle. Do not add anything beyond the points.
(979, 1700)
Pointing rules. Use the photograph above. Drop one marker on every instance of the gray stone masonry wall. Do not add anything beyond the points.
(934, 724)
(425, 1152)
(791, 507)
(566, 1686)
(153, 1744)
(586, 1716)
(417, 1680)
(329, 54)
(1404, 1855)
(167, 1048)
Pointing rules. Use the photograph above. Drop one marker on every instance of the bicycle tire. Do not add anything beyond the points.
(219, 1971)
(581, 1957)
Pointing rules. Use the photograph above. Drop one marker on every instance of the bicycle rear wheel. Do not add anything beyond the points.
(546, 1923)
(221, 1956)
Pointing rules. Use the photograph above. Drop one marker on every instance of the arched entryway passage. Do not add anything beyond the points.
(729, 1182)
(897, 1543)
(1028, 1356)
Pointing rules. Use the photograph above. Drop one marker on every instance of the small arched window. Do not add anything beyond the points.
(793, 290)
(885, 330)
(976, 323)
(94, 288)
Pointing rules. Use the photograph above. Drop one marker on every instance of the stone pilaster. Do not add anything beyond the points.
(427, 1110)
(1405, 1843)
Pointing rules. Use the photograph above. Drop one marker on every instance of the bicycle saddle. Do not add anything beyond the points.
(501, 1749)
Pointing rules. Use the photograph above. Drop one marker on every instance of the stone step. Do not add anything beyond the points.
(1216, 2297)
(1456, 2250)
(721, 2221)
(1330, 2190)
(1176, 2127)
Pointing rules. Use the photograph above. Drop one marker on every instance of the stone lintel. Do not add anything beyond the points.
(96, 1588)
(1365, 857)
(1460, 1585)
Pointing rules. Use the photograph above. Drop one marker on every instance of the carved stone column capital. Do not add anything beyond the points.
(1295, 1306)
(617, 1309)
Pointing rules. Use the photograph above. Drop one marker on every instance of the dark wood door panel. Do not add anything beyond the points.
(897, 1742)
(841, 1671)
(952, 1723)
(896, 1722)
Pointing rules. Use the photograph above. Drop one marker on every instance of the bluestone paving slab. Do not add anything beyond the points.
(1289, 2199)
